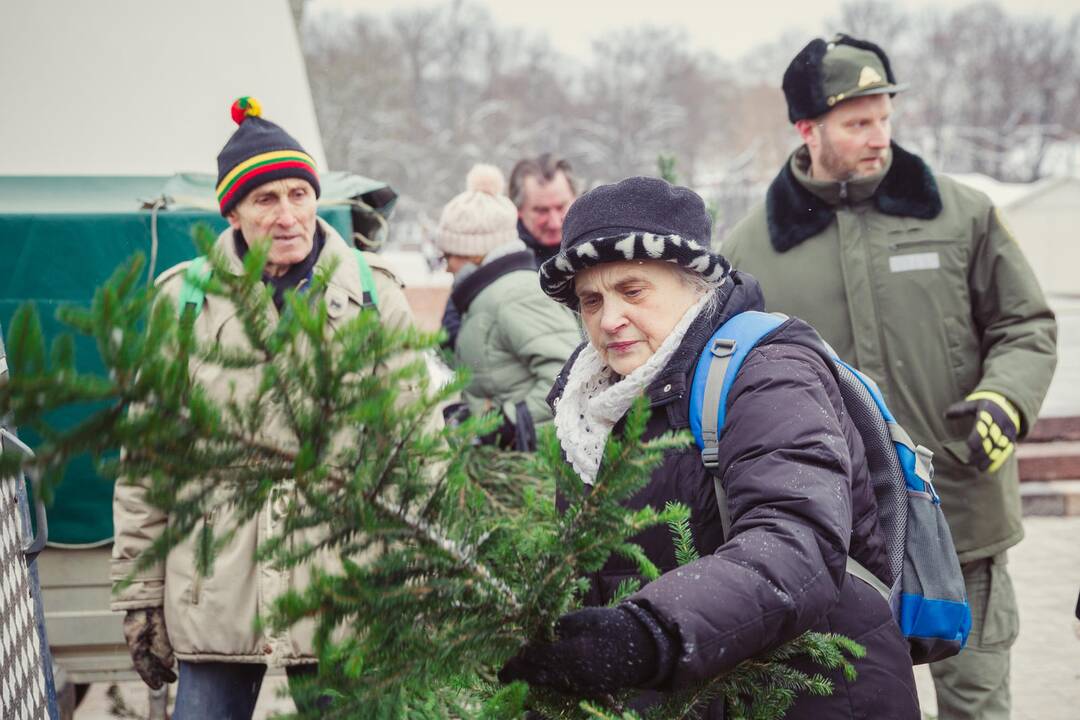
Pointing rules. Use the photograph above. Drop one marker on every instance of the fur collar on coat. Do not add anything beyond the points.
(795, 214)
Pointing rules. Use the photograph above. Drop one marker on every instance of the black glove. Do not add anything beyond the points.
(455, 413)
(993, 435)
(596, 652)
(148, 642)
(504, 436)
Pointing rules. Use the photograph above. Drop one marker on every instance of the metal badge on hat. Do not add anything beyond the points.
(869, 76)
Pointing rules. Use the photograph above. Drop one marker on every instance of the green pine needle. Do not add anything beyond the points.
(679, 524)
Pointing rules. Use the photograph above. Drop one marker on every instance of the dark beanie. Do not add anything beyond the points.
(258, 152)
(640, 218)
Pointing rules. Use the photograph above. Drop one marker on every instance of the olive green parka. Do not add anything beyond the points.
(916, 280)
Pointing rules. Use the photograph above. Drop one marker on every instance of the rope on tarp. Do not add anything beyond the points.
(375, 243)
(360, 240)
(158, 204)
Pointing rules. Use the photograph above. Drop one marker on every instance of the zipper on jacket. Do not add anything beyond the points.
(907, 244)
(843, 191)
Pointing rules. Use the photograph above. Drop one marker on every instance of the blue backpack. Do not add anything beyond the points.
(928, 598)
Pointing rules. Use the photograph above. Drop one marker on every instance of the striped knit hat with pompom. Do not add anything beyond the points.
(480, 219)
(258, 152)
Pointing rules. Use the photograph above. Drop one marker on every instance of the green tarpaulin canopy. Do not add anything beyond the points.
(61, 237)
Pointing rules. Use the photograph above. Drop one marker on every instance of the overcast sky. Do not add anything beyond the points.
(729, 31)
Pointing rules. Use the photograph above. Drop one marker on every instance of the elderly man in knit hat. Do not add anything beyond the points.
(917, 281)
(513, 338)
(268, 189)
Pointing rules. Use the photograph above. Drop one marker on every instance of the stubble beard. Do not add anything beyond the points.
(833, 165)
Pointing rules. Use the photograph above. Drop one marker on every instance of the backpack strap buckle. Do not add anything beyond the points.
(723, 347)
(924, 469)
(710, 457)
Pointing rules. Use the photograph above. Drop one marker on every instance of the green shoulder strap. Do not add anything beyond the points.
(190, 292)
(199, 271)
(367, 281)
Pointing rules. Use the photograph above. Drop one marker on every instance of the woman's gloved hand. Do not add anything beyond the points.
(597, 651)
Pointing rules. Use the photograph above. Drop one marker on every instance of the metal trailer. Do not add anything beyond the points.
(26, 679)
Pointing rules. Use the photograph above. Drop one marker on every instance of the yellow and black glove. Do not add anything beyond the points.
(993, 436)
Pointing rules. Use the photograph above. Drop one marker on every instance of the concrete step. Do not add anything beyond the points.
(1046, 461)
(1056, 498)
(1048, 429)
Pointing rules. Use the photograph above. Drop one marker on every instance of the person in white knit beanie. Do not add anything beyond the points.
(478, 220)
(513, 337)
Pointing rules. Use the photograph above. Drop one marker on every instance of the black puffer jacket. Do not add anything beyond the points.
(800, 501)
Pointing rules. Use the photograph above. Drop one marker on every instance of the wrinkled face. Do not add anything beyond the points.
(543, 207)
(282, 211)
(852, 140)
(629, 308)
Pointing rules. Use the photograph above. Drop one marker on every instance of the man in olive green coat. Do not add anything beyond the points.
(916, 280)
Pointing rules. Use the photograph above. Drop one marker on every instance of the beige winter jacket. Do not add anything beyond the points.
(213, 618)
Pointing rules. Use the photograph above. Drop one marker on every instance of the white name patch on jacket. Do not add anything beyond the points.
(915, 261)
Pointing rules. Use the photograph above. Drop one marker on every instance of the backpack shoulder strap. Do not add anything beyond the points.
(199, 271)
(915, 460)
(715, 372)
(367, 280)
(713, 377)
(191, 292)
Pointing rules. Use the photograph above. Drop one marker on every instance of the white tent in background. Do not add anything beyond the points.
(1044, 217)
(134, 92)
(143, 87)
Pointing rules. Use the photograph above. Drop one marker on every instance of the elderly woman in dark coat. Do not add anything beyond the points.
(635, 264)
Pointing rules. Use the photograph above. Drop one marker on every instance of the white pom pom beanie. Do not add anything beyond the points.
(480, 219)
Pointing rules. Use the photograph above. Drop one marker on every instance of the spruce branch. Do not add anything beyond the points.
(446, 556)
(685, 550)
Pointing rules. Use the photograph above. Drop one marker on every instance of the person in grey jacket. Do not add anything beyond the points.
(542, 188)
(513, 338)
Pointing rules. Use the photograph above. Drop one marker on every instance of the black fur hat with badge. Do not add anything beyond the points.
(825, 73)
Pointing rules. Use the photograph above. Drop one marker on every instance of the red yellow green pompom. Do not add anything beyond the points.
(245, 107)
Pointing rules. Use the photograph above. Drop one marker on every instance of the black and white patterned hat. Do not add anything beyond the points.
(640, 218)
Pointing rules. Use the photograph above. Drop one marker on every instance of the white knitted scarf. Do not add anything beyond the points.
(595, 398)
